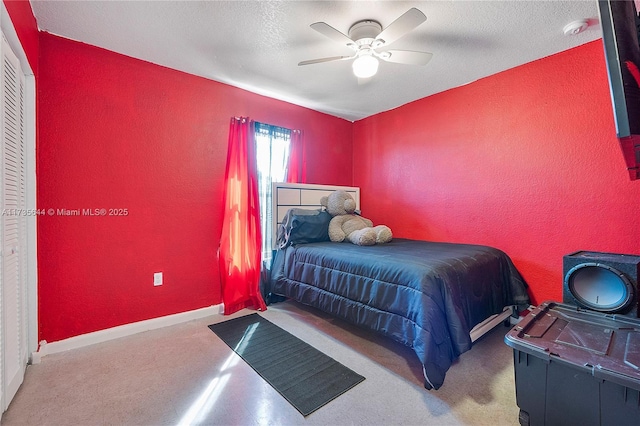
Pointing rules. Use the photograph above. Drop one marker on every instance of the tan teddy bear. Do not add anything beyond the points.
(345, 225)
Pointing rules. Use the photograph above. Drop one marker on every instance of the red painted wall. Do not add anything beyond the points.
(525, 160)
(26, 28)
(120, 133)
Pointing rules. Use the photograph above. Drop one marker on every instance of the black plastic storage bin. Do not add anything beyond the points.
(576, 367)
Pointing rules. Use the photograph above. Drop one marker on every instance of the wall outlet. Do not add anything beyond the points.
(157, 278)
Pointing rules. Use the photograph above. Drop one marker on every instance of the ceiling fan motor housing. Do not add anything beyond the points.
(365, 32)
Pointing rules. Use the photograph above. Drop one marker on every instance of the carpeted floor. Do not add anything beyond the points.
(184, 375)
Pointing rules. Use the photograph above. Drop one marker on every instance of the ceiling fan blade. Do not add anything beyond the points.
(405, 23)
(320, 60)
(335, 35)
(406, 57)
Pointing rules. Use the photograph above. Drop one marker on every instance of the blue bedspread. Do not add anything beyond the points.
(426, 295)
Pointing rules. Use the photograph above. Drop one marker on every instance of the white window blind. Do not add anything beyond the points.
(272, 156)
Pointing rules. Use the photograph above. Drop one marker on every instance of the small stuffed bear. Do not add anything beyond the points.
(345, 225)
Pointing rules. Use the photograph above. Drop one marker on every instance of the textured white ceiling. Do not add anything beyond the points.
(256, 45)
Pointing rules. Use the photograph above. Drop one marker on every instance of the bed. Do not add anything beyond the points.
(434, 297)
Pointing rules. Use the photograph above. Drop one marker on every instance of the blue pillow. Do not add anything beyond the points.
(301, 226)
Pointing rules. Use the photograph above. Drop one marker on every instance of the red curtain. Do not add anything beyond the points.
(297, 167)
(240, 243)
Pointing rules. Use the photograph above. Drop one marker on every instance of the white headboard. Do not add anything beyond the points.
(304, 196)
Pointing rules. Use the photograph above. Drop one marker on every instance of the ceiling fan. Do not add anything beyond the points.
(366, 36)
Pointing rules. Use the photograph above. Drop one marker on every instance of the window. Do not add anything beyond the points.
(272, 155)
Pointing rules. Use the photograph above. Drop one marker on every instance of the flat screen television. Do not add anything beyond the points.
(620, 21)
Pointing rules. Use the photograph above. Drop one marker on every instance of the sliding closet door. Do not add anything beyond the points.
(13, 294)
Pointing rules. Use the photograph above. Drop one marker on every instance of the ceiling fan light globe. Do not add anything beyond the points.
(365, 66)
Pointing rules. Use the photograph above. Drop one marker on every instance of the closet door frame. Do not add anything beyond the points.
(9, 32)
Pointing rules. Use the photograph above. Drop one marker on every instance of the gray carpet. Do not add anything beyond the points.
(303, 375)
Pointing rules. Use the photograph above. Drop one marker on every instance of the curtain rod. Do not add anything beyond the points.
(244, 119)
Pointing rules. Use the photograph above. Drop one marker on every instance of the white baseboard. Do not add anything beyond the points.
(46, 348)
